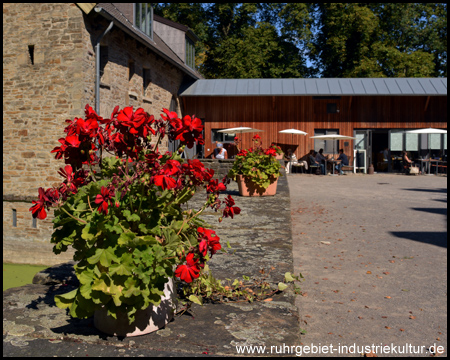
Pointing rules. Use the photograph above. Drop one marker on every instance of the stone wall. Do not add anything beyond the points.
(220, 167)
(42, 51)
(48, 77)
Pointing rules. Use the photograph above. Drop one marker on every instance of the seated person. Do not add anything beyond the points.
(290, 159)
(320, 158)
(344, 161)
(314, 162)
(406, 161)
(220, 152)
(304, 161)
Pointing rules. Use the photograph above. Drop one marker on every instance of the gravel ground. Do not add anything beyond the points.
(373, 251)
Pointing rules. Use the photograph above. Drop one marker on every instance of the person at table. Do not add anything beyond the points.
(314, 162)
(289, 160)
(220, 152)
(320, 158)
(407, 162)
(343, 161)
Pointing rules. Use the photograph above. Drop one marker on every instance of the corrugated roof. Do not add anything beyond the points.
(157, 44)
(318, 87)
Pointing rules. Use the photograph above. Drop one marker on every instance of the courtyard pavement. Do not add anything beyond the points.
(373, 251)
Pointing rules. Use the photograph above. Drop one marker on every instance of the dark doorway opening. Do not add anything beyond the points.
(380, 141)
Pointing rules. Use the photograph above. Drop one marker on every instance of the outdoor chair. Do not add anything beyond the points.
(298, 167)
(348, 167)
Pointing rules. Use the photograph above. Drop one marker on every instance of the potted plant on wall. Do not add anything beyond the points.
(256, 170)
(279, 153)
(122, 213)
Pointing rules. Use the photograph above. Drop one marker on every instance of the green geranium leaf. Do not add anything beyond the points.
(121, 269)
(65, 300)
(104, 256)
(282, 286)
(126, 238)
(195, 299)
(288, 277)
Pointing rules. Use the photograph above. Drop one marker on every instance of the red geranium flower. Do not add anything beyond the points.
(103, 199)
(190, 271)
(38, 208)
(164, 179)
(271, 151)
(230, 210)
(212, 239)
(68, 184)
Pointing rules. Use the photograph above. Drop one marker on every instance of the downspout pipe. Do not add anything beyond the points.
(97, 66)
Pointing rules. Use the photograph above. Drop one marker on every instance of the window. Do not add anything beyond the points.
(190, 53)
(221, 137)
(143, 18)
(31, 53)
(146, 78)
(332, 108)
(14, 217)
(130, 69)
(326, 145)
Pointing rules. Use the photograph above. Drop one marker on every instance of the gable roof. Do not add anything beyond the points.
(318, 87)
(110, 12)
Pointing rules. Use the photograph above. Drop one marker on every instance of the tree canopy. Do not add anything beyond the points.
(295, 40)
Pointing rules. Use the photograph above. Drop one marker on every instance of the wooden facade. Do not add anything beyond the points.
(309, 113)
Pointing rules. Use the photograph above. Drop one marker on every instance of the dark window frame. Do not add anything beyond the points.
(143, 18)
(222, 137)
(326, 145)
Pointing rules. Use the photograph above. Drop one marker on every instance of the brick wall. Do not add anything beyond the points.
(48, 77)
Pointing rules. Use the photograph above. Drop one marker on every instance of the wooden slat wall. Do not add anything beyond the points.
(273, 114)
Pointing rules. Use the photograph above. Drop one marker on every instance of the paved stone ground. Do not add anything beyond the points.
(261, 238)
(373, 250)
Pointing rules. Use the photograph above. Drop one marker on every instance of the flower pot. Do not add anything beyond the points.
(147, 321)
(279, 156)
(249, 188)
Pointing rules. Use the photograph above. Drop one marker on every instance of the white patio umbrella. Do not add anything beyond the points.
(239, 130)
(293, 131)
(427, 131)
(333, 137)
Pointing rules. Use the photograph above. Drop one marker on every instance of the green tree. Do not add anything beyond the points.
(241, 40)
(275, 40)
(381, 39)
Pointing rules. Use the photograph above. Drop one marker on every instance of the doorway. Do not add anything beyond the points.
(380, 142)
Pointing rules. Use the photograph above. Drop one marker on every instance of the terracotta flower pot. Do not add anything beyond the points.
(249, 188)
(279, 156)
(147, 321)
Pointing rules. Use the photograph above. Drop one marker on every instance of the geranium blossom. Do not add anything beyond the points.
(212, 239)
(271, 152)
(230, 210)
(38, 208)
(190, 270)
(69, 184)
(103, 199)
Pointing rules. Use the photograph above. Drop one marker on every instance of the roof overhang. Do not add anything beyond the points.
(318, 87)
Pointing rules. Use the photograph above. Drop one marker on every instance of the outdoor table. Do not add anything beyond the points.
(437, 164)
(334, 162)
(430, 161)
